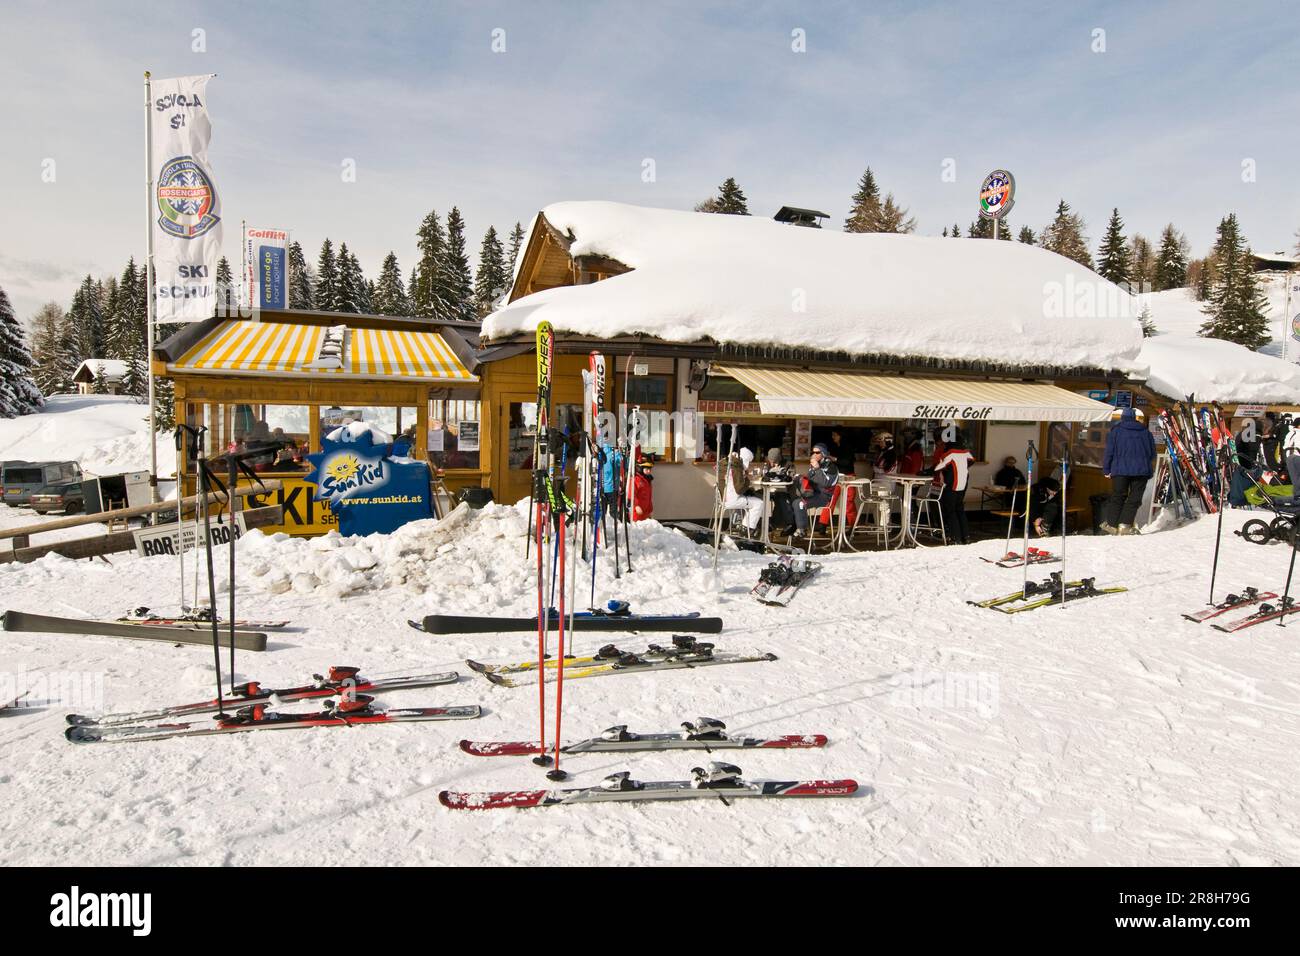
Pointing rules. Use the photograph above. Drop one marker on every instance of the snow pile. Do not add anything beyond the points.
(1215, 370)
(470, 561)
(1176, 311)
(749, 281)
(105, 434)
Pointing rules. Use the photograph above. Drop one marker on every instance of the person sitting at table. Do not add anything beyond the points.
(886, 461)
(1009, 476)
(738, 494)
(1045, 507)
(776, 470)
(912, 461)
(816, 486)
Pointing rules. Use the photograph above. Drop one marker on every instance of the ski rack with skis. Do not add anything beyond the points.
(721, 781)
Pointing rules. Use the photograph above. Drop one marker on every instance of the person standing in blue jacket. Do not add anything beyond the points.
(1129, 463)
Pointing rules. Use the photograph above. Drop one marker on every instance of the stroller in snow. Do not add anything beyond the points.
(1277, 500)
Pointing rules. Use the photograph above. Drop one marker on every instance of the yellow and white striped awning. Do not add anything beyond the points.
(805, 394)
(281, 349)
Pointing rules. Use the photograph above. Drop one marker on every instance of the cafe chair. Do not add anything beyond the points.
(926, 500)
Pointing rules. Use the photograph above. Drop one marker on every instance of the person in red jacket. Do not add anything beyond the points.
(643, 504)
(952, 468)
(913, 457)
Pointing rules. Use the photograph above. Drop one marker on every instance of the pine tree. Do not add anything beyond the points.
(300, 279)
(1171, 261)
(126, 316)
(1065, 236)
(1026, 236)
(864, 213)
(459, 282)
(349, 276)
(1236, 304)
(430, 296)
(729, 201)
(1148, 324)
(491, 278)
(516, 243)
(51, 373)
(227, 304)
(1113, 260)
(19, 394)
(370, 297)
(84, 328)
(1142, 272)
(956, 231)
(99, 386)
(326, 293)
(390, 292)
(982, 228)
(894, 218)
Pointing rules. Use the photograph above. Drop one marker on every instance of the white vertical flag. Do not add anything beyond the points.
(187, 207)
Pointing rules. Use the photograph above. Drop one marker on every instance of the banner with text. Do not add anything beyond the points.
(266, 268)
(187, 208)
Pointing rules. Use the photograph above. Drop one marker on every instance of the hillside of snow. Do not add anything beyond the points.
(105, 434)
(1106, 732)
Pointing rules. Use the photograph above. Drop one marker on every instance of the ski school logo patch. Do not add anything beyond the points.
(186, 198)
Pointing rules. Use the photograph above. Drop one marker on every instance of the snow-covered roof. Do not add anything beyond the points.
(749, 281)
(1215, 370)
(113, 368)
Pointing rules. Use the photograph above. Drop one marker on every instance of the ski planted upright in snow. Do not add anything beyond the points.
(719, 780)
(340, 681)
(705, 734)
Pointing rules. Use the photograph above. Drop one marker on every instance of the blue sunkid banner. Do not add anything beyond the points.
(368, 489)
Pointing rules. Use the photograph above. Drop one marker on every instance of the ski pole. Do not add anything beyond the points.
(556, 773)
(1065, 515)
(1286, 591)
(596, 455)
(564, 462)
(1031, 453)
(1011, 520)
(205, 483)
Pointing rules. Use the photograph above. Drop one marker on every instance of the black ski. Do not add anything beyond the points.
(45, 624)
(589, 623)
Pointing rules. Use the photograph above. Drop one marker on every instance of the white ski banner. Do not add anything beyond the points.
(266, 268)
(187, 207)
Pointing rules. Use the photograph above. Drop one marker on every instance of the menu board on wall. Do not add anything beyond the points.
(802, 437)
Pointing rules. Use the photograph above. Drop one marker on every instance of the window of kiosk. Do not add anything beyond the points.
(454, 434)
(398, 422)
(653, 394)
(523, 434)
(278, 436)
(1088, 440)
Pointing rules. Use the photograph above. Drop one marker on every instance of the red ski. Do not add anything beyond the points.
(1266, 612)
(719, 781)
(1233, 601)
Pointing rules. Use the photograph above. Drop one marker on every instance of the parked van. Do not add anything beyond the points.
(22, 479)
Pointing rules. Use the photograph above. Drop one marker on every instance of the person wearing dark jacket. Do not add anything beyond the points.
(1129, 462)
(1045, 507)
(1009, 476)
(1247, 442)
(818, 485)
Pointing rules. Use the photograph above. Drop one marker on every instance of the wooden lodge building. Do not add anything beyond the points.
(669, 298)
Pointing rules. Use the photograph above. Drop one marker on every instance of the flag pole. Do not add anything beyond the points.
(149, 290)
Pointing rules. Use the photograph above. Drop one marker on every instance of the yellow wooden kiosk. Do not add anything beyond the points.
(291, 377)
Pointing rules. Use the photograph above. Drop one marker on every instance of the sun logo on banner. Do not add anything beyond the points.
(342, 468)
(186, 198)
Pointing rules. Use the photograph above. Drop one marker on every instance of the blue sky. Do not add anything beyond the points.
(1159, 124)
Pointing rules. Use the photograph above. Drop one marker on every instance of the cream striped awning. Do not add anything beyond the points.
(286, 350)
(801, 394)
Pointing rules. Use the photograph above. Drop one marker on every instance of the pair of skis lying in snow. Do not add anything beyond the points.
(1046, 593)
(685, 653)
(1249, 597)
(721, 780)
(347, 703)
(1013, 559)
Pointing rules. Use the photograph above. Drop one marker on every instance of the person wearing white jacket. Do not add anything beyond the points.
(737, 486)
(1291, 455)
